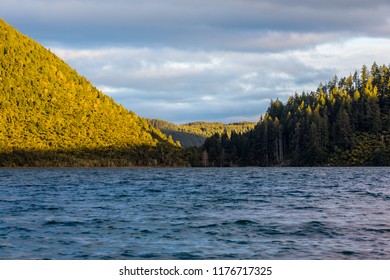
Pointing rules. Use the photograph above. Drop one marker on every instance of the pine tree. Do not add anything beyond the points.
(346, 122)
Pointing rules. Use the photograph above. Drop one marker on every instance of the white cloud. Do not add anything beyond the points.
(207, 98)
(184, 85)
(346, 56)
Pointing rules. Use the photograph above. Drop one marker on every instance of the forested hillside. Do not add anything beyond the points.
(51, 116)
(174, 132)
(194, 134)
(345, 122)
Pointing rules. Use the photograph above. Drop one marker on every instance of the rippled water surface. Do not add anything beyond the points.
(243, 213)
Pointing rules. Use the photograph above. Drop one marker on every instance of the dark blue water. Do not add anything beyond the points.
(248, 213)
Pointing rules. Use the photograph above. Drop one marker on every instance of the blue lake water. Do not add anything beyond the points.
(229, 213)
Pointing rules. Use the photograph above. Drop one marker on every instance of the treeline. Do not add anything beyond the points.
(161, 155)
(345, 122)
(208, 129)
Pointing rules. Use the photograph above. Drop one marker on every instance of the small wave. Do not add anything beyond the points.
(82, 257)
(53, 208)
(241, 222)
(154, 190)
(99, 221)
(148, 256)
(102, 207)
(124, 182)
(330, 186)
(17, 229)
(62, 223)
(314, 228)
(307, 208)
(225, 256)
(348, 253)
(66, 242)
(186, 256)
(146, 231)
(37, 207)
(205, 226)
(103, 195)
(128, 254)
(377, 195)
(245, 222)
(378, 230)
(122, 196)
(270, 231)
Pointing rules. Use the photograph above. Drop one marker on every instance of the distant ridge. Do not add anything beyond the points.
(194, 134)
(51, 116)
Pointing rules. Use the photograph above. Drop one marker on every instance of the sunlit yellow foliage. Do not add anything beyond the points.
(46, 106)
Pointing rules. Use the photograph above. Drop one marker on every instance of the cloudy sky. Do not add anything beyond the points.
(213, 60)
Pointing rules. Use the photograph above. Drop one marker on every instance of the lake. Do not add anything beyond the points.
(195, 213)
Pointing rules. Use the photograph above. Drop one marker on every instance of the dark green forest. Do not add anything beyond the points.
(345, 122)
(51, 116)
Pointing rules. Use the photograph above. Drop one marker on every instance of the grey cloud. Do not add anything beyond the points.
(231, 25)
(336, 4)
(224, 111)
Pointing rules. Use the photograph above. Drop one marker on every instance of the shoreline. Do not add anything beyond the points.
(187, 167)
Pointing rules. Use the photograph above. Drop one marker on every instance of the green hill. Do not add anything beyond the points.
(51, 116)
(194, 134)
(186, 138)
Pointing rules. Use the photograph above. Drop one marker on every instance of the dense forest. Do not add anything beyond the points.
(345, 122)
(194, 134)
(51, 116)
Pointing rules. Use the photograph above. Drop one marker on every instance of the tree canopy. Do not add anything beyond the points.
(345, 122)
